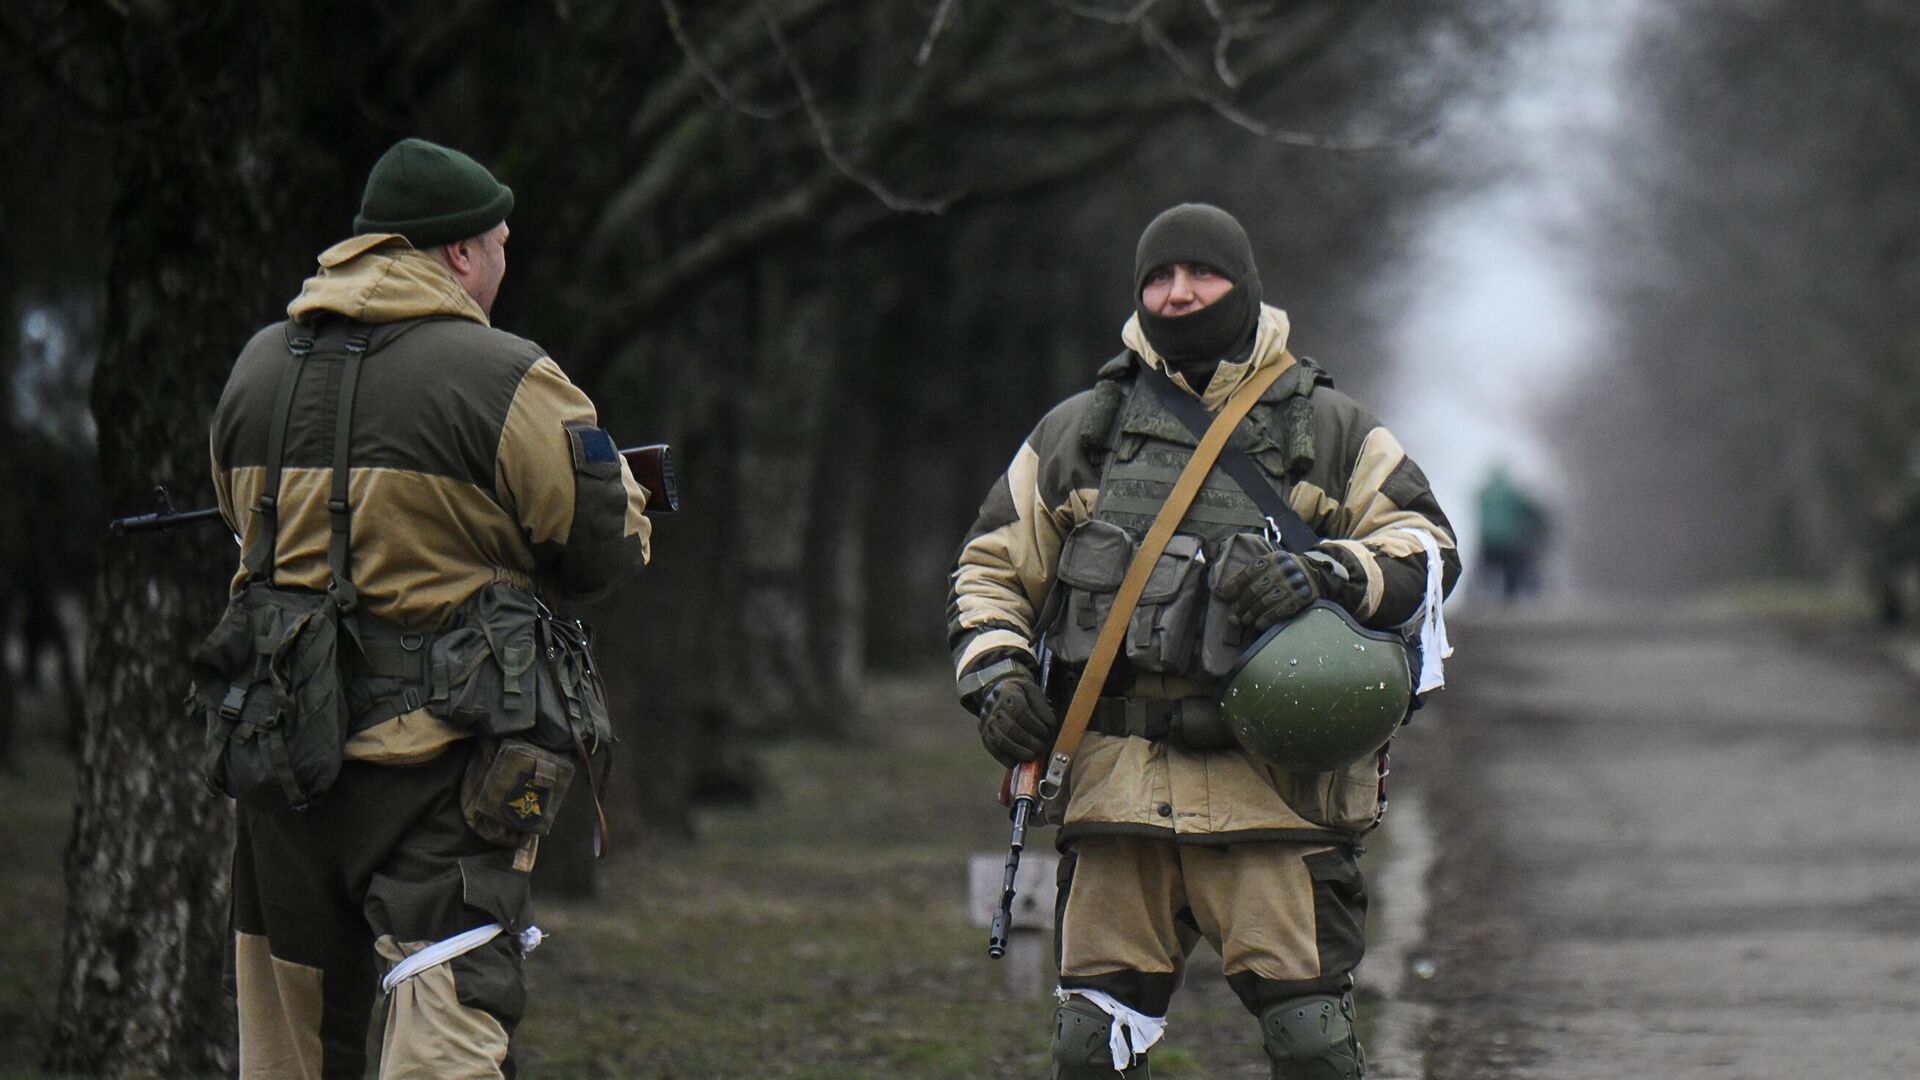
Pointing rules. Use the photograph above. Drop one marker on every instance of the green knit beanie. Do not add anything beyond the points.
(431, 194)
(1198, 233)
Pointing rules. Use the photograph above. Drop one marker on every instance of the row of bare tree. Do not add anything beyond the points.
(840, 252)
(1757, 250)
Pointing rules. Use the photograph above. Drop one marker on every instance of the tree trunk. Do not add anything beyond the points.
(148, 860)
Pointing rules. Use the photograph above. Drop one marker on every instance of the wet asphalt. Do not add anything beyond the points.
(1678, 848)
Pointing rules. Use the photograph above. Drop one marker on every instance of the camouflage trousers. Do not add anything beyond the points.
(327, 900)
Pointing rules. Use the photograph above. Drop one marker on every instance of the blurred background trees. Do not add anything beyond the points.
(842, 254)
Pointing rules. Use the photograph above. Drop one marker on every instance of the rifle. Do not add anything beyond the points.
(652, 466)
(1021, 792)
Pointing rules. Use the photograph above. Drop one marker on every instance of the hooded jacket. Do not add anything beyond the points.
(465, 460)
(1360, 490)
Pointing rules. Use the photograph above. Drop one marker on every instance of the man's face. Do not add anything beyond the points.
(487, 254)
(1183, 288)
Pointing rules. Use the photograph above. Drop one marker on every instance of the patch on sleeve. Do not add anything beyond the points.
(591, 446)
(1405, 484)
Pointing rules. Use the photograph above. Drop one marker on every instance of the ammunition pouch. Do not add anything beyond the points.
(1223, 641)
(1182, 625)
(1092, 563)
(1191, 723)
(267, 682)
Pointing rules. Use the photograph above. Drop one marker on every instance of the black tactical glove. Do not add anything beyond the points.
(1016, 723)
(1277, 586)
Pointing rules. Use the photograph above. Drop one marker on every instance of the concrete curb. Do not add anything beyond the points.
(1398, 1043)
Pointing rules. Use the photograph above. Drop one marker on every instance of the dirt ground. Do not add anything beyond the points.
(1674, 849)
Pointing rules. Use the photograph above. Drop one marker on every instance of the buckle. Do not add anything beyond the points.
(411, 641)
(235, 700)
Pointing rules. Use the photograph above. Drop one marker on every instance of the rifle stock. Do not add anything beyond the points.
(652, 466)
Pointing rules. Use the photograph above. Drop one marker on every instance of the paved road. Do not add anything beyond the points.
(1671, 851)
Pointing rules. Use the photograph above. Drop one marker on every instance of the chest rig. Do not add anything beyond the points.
(1178, 631)
(1145, 448)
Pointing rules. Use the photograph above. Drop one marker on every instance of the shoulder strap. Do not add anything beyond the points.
(1295, 534)
(345, 596)
(259, 558)
(1107, 645)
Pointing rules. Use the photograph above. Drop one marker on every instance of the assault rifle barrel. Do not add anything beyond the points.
(652, 466)
(1022, 785)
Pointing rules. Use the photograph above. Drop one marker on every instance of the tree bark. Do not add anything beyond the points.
(147, 864)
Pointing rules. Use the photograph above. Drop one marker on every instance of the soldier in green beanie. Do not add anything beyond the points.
(433, 478)
(1170, 831)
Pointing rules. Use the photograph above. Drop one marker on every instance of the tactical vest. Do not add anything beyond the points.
(1179, 627)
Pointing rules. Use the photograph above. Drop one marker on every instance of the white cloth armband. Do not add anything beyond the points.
(1132, 1032)
(458, 945)
(1432, 620)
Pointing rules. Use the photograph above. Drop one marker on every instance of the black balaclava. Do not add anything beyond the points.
(1198, 233)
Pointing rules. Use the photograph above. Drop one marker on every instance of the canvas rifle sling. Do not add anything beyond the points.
(1107, 644)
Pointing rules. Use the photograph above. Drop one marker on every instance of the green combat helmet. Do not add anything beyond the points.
(1319, 691)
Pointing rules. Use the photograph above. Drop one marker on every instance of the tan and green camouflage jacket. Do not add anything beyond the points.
(1359, 492)
(463, 472)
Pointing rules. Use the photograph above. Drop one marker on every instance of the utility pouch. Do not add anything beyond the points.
(508, 667)
(267, 682)
(1093, 561)
(1161, 632)
(1223, 641)
(513, 789)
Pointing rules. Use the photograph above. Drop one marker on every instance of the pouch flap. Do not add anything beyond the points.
(1239, 552)
(1177, 565)
(1095, 557)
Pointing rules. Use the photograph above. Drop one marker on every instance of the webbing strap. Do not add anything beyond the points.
(1107, 645)
(259, 558)
(341, 588)
(1295, 534)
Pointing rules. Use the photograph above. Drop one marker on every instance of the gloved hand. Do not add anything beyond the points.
(1277, 586)
(1016, 723)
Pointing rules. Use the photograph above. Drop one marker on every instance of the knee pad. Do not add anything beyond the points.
(1312, 1038)
(1081, 1044)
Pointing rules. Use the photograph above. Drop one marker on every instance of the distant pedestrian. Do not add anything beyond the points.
(1513, 536)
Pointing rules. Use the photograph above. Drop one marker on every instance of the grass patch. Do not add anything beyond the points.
(38, 794)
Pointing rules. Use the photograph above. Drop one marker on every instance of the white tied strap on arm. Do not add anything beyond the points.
(1131, 1034)
(458, 945)
(1434, 646)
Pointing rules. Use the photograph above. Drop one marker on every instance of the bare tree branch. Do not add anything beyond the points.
(1195, 85)
(738, 39)
(719, 85)
(1129, 17)
(939, 23)
(824, 136)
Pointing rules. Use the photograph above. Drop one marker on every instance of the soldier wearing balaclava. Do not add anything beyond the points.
(1170, 826)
